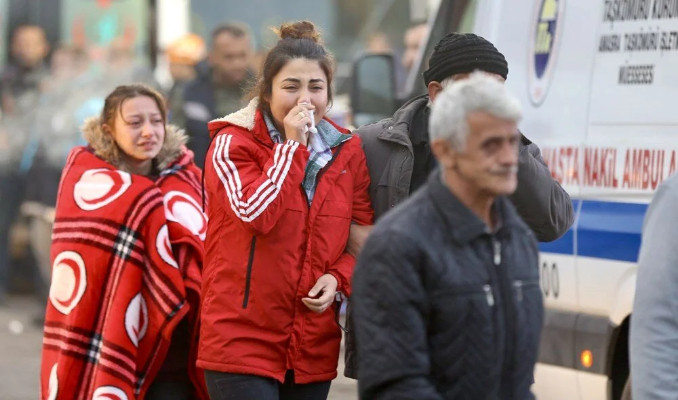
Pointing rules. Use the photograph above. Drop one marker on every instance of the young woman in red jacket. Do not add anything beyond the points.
(283, 185)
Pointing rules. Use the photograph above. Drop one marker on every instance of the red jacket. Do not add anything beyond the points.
(266, 247)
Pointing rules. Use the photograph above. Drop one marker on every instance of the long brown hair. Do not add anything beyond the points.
(297, 40)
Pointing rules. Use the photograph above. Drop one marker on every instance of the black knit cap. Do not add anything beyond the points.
(460, 53)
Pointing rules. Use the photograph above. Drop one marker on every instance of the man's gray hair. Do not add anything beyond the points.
(479, 92)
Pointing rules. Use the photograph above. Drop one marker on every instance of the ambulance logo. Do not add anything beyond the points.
(69, 281)
(53, 388)
(162, 243)
(182, 208)
(136, 320)
(548, 21)
(109, 393)
(99, 187)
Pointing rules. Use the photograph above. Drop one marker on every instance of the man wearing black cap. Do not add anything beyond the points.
(399, 157)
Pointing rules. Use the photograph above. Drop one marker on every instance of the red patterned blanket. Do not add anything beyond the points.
(126, 260)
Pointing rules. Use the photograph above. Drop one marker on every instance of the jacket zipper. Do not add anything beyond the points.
(508, 315)
(248, 279)
(497, 251)
(488, 295)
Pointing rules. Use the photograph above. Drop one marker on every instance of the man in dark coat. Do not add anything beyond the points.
(399, 156)
(446, 297)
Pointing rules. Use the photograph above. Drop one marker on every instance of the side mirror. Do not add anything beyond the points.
(373, 92)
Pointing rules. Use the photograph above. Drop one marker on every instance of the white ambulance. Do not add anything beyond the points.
(598, 80)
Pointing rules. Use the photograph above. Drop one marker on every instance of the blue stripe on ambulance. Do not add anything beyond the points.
(605, 229)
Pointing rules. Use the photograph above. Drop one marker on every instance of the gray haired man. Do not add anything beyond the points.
(446, 297)
(400, 158)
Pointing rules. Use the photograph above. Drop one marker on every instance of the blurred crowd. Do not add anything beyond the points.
(44, 100)
(47, 93)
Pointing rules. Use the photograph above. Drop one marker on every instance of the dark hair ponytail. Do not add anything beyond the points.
(297, 40)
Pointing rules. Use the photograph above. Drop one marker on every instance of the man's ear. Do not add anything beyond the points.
(434, 88)
(444, 153)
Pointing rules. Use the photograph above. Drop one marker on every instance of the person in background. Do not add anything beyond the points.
(67, 63)
(20, 84)
(183, 55)
(653, 342)
(53, 132)
(127, 251)
(399, 155)
(378, 42)
(413, 40)
(217, 90)
(283, 185)
(20, 81)
(123, 64)
(447, 302)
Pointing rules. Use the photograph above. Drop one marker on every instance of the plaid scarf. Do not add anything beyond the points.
(320, 148)
(125, 272)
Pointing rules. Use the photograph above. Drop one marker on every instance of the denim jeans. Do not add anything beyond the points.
(226, 386)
